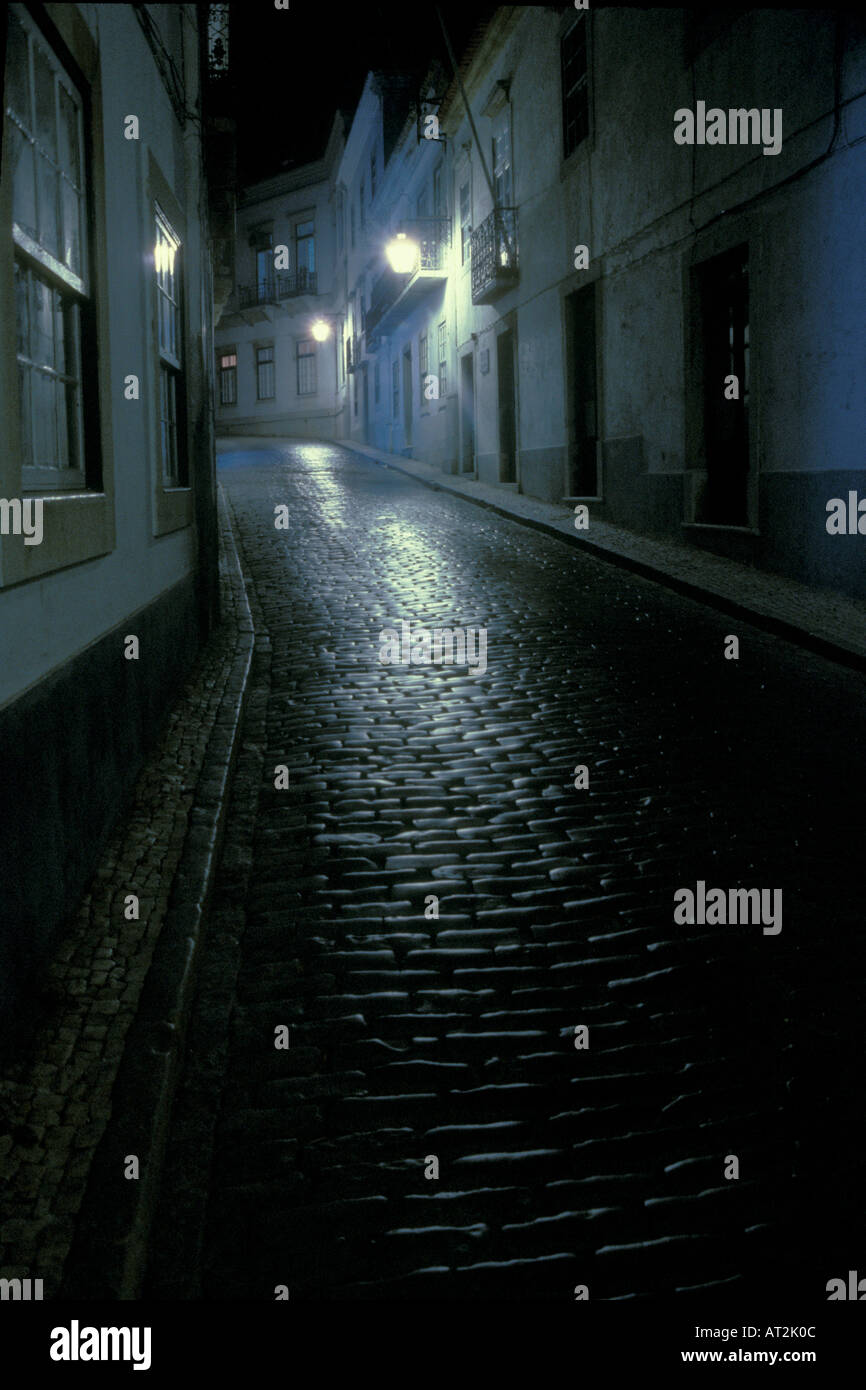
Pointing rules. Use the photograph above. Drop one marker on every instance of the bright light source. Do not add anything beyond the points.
(402, 254)
(321, 330)
(163, 257)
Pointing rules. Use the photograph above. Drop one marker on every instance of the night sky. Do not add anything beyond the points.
(294, 68)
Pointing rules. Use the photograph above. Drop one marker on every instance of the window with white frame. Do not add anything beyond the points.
(170, 340)
(52, 291)
(305, 251)
(306, 359)
(502, 184)
(262, 239)
(465, 223)
(228, 376)
(265, 389)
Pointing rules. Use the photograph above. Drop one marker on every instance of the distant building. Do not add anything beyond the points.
(274, 374)
(106, 403)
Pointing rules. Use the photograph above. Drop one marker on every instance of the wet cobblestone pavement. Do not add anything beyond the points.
(412, 1036)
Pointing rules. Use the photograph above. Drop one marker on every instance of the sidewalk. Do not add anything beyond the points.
(94, 1077)
(828, 623)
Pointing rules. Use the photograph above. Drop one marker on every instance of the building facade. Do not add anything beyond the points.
(107, 484)
(637, 279)
(273, 374)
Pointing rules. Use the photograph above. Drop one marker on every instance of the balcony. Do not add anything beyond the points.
(395, 296)
(494, 255)
(277, 287)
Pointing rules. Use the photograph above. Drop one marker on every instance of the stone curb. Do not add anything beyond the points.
(850, 656)
(108, 1254)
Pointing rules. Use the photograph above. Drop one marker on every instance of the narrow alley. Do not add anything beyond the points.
(454, 1036)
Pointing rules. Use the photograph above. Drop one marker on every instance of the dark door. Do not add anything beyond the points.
(507, 413)
(724, 283)
(583, 425)
(407, 397)
(366, 421)
(467, 414)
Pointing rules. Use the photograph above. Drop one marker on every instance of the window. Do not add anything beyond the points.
(170, 335)
(438, 195)
(376, 386)
(262, 241)
(52, 291)
(228, 377)
(502, 158)
(465, 223)
(265, 373)
(372, 174)
(307, 367)
(443, 362)
(352, 225)
(355, 394)
(575, 86)
(361, 207)
(264, 278)
(422, 363)
(305, 252)
(395, 389)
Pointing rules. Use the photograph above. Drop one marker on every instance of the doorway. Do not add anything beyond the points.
(366, 421)
(407, 397)
(583, 394)
(467, 414)
(724, 310)
(507, 407)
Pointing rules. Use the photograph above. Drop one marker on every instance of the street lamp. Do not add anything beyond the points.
(402, 254)
(321, 331)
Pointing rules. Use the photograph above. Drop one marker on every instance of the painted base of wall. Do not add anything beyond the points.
(542, 473)
(70, 752)
(791, 537)
(282, 426)
(487, 466)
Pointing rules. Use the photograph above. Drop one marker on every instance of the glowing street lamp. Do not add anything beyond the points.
(402, 254)
(321, 331)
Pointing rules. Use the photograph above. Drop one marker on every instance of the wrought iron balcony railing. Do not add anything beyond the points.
(433, 235)
(280, 285)
(494, 255)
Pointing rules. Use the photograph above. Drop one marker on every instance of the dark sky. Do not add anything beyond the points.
(293, 68)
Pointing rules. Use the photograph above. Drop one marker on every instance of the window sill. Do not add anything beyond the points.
(173, 509)
(76, 527)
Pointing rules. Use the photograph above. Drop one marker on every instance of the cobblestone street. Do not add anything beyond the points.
(413, 1036)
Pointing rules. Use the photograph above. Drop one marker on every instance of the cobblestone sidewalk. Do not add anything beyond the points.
(56, 1090)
